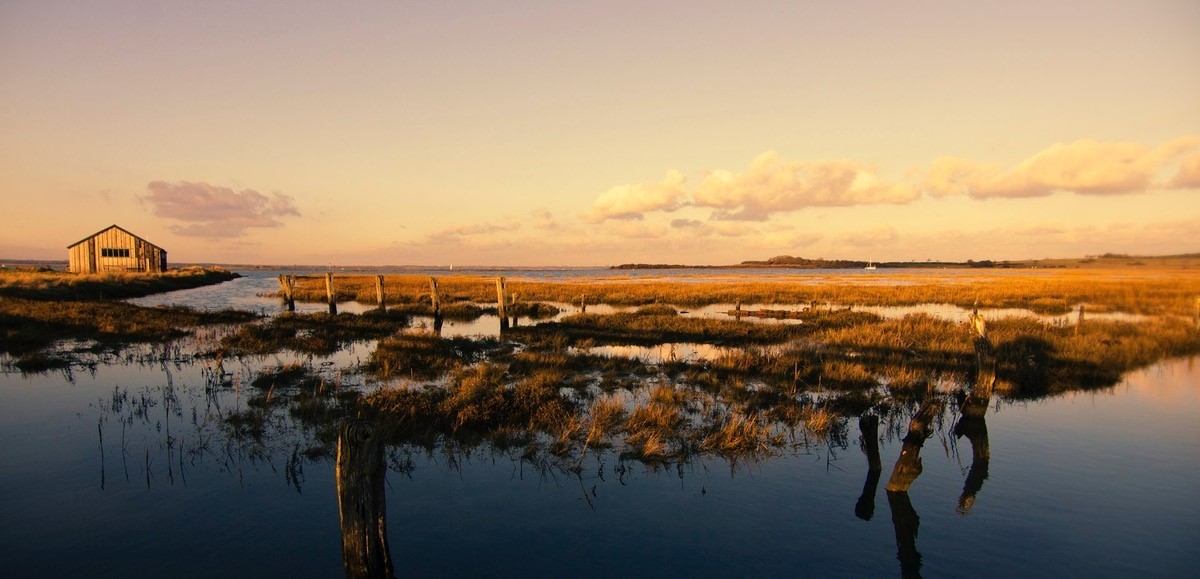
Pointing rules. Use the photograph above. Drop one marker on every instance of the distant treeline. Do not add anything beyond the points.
(801, 262)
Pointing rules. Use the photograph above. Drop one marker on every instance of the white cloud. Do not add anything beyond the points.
(772, 185)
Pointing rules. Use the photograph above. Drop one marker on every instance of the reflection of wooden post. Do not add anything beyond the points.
(501, 302)
(975, 429)
(435, 297)
(379, 292)
(906, 523)
(868, 425)
(361, 502)
(287, 291)
(330, 294)
(972, 424)
(908, 466)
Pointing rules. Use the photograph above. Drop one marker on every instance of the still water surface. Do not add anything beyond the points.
(127, 469)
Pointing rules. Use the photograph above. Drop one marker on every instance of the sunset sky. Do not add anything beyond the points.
(597, 133)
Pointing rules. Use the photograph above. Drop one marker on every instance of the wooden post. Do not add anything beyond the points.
(1079, 320)
(512, 302)
(435, 297)
(868, 425)
(361, 501)
(908, 466)
(330, 294)
(287, 291)
(976, 403)
(583, 303)
(737, 308)
(501, 302)
(379, 292)
(1196, 315)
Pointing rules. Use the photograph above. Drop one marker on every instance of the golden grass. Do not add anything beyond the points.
(1048, 291)
(42, 284)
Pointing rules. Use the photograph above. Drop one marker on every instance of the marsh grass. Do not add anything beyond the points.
(28, 326)
(58, 285)
(318, 334)
(425, 357)
(1151, 292)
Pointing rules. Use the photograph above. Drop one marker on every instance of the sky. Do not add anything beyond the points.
(598, 133)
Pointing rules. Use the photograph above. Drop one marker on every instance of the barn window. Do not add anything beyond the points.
(113, 252)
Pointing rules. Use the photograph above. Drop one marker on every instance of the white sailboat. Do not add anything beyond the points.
(870, 265)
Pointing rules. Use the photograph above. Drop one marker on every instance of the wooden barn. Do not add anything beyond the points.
(115, 249)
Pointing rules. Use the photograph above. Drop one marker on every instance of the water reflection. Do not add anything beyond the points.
(166, 421)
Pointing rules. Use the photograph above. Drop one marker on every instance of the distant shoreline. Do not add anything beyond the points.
(1107, 261)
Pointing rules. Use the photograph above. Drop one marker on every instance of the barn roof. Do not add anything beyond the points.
(139, 238)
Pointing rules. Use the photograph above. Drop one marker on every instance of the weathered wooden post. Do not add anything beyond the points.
(512, 302)
(435, 297)
(908, 466)
(583, 303)
(379, 292)
(1079, 320)
(868, 425)
(501, 301)
(1196, 315)
(287, 291)
(361, 501)
(737, 308)
(330, 294)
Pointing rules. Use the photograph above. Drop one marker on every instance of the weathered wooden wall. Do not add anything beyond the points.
(87, 256)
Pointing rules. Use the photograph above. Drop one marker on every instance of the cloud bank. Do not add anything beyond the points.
(1084, 167)
(772, 185)
(217, 212)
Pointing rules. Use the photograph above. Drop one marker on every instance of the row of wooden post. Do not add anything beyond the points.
(287, 292)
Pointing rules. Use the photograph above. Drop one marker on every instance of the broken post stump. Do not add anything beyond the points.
(361, 501)
(287, 291)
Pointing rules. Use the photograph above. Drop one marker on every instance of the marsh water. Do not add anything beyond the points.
(126, 465)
